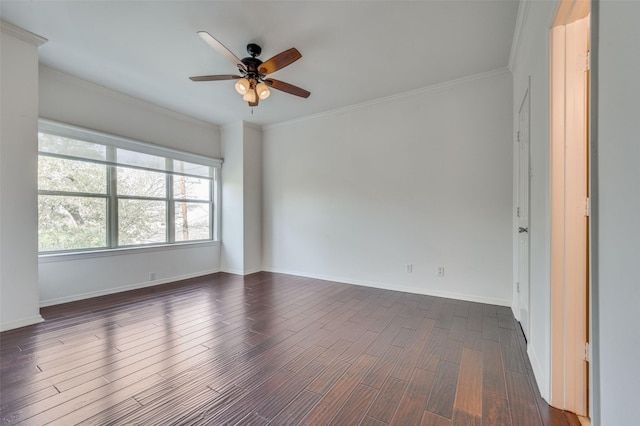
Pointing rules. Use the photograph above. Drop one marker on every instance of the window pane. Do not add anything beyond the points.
(141, 222)
(89, 182)
(190, 188)
(71, 147)
(180, 166)
(141, 183)
(192, 221)
(66, 223)
(56, 174)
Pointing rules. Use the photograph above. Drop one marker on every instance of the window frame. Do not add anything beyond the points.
(112, 143)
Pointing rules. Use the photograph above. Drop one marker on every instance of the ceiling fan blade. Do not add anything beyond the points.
(215, 77)
(280, 61)
(221, 49)
(286, 87)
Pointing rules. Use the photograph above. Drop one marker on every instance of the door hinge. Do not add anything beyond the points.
(518, 135)
(588, 60)
(587, 352)
(517, 211)
(518, 287)
(587, 207)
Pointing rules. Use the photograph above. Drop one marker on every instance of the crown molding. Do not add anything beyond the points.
(242, 123)
(21, 34)
(393, 98)
(251, 125)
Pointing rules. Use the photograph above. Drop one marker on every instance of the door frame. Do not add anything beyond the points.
(526, 97)
(569, 250)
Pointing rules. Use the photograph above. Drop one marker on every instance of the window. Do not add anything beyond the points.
(100, 192)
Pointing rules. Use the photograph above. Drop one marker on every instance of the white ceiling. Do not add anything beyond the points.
(352, 51)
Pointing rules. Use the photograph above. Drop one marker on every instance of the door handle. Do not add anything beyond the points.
(521, 230)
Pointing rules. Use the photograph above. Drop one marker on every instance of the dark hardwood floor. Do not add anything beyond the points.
(270, 349)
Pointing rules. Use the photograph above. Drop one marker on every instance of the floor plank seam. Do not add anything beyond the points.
(271, 349)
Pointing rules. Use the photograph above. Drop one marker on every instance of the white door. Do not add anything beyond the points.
(523, 213)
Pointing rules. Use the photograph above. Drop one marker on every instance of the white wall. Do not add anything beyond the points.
(74, 101)
(617, 174)
(532, 61)
(421, 179)
(75, 277)
(70, 100)
(18, 183)
(233, 199)
(252, 198)
(242, 199)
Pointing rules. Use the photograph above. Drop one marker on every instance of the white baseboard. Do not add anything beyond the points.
(135, 286)
(241, 271)
(516, 311)
(386, 286)
(373, 284)
(22, 322)
(541, 379)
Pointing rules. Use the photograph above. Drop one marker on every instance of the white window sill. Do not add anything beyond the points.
(89, 254)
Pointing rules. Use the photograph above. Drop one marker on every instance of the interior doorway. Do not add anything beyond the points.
(570, 207)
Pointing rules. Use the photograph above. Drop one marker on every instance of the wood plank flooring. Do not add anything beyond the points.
(270, 349)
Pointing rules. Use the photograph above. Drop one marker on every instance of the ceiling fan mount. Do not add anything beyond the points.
(254, 50)
(252, 82)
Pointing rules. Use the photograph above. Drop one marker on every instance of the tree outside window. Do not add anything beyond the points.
(88, 200)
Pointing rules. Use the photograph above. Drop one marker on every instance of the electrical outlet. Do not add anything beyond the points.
(408, 268)
(152, 276)
(440, 271)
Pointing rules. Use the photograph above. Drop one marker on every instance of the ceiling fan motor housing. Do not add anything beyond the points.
(252, 64)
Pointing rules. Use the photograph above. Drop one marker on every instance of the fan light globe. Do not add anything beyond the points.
(242, 86)
(250, 96)
(263, 91)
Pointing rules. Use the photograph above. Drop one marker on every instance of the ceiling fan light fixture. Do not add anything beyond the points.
(263, 91)
(243, 86)
(250, 96)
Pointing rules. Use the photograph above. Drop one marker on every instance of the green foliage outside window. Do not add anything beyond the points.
(87, 202)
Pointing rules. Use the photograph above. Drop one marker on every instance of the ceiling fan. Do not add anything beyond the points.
(252, 82)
